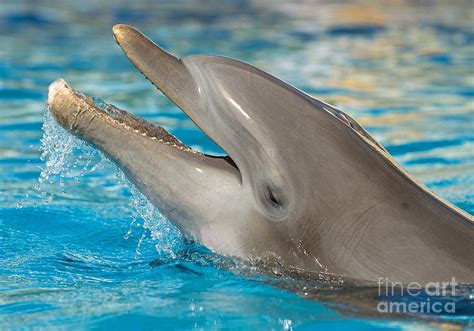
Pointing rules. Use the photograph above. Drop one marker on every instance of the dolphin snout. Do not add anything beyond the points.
(55, 87)
(66, 105)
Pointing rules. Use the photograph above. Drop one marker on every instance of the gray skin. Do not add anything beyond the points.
(303, 185)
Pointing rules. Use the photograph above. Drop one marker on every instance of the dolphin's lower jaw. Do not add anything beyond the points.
(303, 185)
(76, 112)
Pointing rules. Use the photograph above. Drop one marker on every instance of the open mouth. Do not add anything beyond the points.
(76, 111)
(100, 123)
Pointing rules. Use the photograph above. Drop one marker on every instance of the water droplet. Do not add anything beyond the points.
(286, 323)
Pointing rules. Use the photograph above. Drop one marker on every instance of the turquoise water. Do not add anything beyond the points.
(80, 248)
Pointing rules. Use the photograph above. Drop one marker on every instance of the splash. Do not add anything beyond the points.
(68, 158)
(169, 239)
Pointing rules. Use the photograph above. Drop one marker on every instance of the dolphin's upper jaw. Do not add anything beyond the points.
(162, 69)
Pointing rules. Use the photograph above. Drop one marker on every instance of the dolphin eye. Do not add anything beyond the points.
(271, 197)
(273, 201)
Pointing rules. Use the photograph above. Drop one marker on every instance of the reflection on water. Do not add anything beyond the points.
(402, 68)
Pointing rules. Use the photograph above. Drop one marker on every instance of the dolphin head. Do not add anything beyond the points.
(277, 136)
(302, 182)
(252, 191)
(233, 104)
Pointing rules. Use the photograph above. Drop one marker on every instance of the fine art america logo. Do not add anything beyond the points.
(431, 298)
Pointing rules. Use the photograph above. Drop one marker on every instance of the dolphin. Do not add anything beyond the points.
(303, 185)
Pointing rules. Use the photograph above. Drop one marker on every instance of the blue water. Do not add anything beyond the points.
(81, 248)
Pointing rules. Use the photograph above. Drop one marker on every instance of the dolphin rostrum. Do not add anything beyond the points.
(303, 184)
